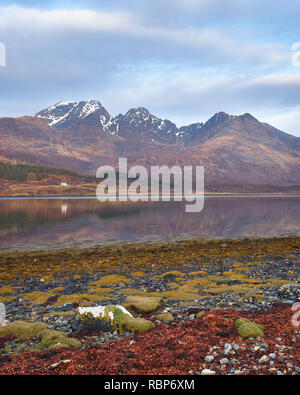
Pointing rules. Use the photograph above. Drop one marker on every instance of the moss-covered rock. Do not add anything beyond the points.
(23, 330)
(55, 339)
(164, 317)
(109, 318)
(143, 304)
(101, 318)
(134, 325)
(246, 328)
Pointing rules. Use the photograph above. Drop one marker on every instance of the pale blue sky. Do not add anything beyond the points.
(182, 59)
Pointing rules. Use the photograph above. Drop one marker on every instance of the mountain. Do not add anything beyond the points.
(66, 114)
(81, 136)
(139, 122)
(188, 133)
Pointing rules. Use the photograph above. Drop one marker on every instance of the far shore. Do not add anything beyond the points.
(212, 194)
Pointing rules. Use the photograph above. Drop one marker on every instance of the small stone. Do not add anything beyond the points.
(209, 358)
(263, 359)
(208, 372)
(224, 361)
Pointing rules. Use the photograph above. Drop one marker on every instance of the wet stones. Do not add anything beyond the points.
(289, 292)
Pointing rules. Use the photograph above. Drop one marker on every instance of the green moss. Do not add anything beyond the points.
(54, 339)
(164, 317)
(246, 328)
(142, 304)
(134, 325)
(23, 330)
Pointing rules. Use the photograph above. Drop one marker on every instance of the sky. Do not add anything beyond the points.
(184, 60)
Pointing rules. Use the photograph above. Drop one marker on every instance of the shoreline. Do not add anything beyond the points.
(132, 243)
(206, 194)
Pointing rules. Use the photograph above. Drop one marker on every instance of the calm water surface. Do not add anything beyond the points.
(60, 222)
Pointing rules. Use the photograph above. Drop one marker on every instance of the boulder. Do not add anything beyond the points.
(56, 339)
(23, 330)
(143, 304)
(134, 325)
(164, 317)
(108, 318)
(99, 318)
(246, 328)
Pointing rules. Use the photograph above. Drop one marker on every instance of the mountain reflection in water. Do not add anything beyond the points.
(35, 223)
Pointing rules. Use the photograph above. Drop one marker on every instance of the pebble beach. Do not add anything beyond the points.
(199, 290)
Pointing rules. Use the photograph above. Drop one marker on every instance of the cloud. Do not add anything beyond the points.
(193, 97)
(217, 43)
(184, 60)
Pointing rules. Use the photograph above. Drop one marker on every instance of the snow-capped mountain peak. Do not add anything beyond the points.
(140, 121)
(63, 114)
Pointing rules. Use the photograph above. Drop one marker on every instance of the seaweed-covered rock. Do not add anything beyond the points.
(164, 317)
(23, 330)
(134, 325)
(246, 328)
(56, 339)
(142, 304)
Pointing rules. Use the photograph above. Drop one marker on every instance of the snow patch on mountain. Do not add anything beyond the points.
(62, 114)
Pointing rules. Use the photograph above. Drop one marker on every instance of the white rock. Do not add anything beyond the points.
(2, 314)
(224, 361)
(99, 311)
(264, 359)
(208, 372)
(209, 358)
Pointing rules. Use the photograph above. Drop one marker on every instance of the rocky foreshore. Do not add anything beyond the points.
(200, 290)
